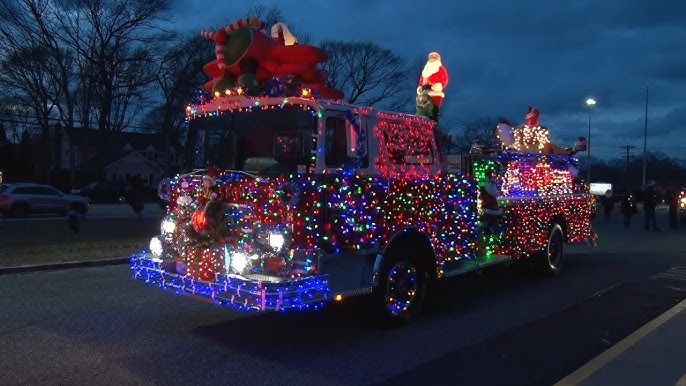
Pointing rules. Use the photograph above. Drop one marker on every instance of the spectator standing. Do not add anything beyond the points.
(608, 203)
(74, 219)
(673, 201)
(134, 197)
(628, 208)
(650, 200)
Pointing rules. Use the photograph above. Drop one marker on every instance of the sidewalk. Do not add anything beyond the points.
(655, 354)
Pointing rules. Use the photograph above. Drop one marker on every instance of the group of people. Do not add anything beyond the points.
(628, 207)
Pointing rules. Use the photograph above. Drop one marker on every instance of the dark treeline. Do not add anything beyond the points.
(120, 65)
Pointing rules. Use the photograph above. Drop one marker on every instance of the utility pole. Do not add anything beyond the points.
(590, 103)
(627, 150)
(645, 141)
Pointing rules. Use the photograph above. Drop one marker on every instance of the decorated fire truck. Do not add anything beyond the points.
(294, 199)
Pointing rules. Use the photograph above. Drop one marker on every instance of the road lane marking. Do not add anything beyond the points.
(597, 363)
(673, 273)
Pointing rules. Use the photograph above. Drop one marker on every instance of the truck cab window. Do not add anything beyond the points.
(335, 152)
(338, 151)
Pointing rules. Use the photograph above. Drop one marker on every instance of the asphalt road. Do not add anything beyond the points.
(95, 325)
(96, 211)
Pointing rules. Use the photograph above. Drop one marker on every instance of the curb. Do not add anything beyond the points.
(65, 265)
(600, 361)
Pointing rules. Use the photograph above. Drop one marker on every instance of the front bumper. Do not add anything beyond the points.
(236, 292)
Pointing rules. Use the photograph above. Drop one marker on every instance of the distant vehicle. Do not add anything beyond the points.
(22, 199)
(106, 192)
(599, 188)
(102, 192)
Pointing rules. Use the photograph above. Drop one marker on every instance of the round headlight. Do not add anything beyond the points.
(168, 226)
(239, 261)
(276, 241)
(156, 246)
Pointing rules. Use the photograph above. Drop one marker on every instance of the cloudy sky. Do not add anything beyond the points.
(505, 55)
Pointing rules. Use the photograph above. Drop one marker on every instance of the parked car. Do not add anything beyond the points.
(22, 199)
(102, 192)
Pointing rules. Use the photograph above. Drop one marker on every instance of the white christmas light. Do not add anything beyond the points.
(276, 240)
(239, 261)
(156, 246)
(168, 226)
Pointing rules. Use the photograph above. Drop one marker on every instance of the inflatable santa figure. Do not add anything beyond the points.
(434, 79)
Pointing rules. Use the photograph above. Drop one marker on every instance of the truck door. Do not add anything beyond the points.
(352, 197)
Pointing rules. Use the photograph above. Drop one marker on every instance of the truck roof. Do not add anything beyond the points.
(242, 102)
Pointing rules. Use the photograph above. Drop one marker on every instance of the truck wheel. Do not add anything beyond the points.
(400, 292)
(549, 260)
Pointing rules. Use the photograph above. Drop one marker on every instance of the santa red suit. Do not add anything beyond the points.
(434, 75)
(531, 118)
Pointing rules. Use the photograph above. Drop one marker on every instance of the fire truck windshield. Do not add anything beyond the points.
(268, 142)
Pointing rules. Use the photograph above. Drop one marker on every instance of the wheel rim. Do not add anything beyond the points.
(555, 249)
(401, 290)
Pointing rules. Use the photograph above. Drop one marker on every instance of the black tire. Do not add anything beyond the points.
(19, 209)
(549, 261)
(400, 292)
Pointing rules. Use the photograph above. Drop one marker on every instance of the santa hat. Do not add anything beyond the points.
(434, 55)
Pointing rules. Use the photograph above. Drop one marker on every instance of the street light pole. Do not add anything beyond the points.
(590, 102)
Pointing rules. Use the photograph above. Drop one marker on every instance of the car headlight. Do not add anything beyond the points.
(276, 241)
(239, 261)
(156, 247)
(168, 226)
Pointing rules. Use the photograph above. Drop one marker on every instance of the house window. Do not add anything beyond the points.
(151, 179)
(114, 176)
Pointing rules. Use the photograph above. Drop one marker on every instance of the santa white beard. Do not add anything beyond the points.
(431, 68)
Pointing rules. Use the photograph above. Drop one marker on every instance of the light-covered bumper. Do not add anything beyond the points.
(237, 293)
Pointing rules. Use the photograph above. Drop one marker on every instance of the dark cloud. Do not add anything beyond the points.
(504, 56)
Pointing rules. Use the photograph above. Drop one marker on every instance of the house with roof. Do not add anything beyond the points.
(127, 155)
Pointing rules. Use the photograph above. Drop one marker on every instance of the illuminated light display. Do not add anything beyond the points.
(537, 191)
(251, 237)
(405, 146)
(234, 292)
(530, 138)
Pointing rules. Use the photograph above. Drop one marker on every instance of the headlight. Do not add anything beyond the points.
(156, 246)
(168, 226)
(239, 261)
(276, 241)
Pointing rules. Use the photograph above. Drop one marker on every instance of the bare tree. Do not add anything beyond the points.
(26, 65)
(269, 15)
(178, 76)
(113, 38)
(367, 74)
(481, 130)
(272, 15)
